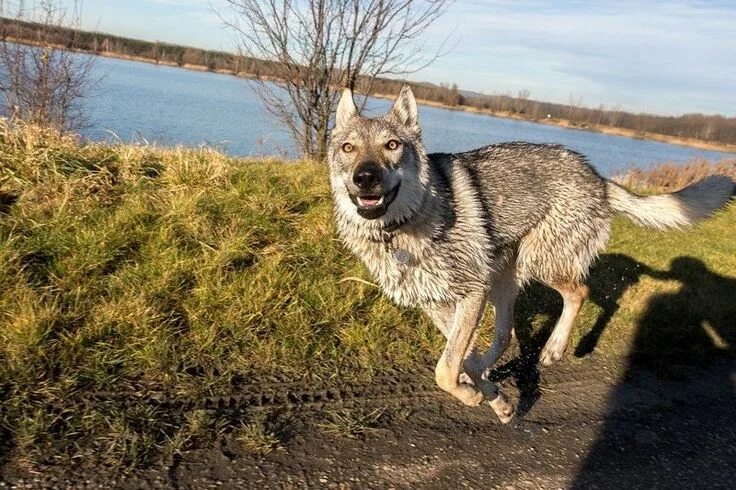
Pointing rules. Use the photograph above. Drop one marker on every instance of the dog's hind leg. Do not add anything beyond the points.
(573, 296)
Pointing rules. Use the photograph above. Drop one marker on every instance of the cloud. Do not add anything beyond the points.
(625, 52)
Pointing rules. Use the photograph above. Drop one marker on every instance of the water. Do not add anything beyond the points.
(165, 105)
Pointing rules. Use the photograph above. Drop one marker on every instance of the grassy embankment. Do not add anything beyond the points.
(186, 272)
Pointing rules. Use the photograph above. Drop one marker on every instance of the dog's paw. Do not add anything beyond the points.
(470, 396)
(503, 408)
(552, 352)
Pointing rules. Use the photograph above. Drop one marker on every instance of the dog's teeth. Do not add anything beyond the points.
(380, 201)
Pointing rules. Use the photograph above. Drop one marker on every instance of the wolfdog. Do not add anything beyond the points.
(447, 232)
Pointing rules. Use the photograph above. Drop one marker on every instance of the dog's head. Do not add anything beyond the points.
(378, 166)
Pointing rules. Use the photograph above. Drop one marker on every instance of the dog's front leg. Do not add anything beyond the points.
(468, 313)
(443, 317)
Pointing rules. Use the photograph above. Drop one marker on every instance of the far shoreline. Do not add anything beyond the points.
(591, 128)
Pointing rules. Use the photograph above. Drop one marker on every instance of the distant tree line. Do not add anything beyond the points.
(159, 52)
(706, 127)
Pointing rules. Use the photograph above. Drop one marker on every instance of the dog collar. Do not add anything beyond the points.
(388, 233)
(388, 230)
(394, 226)
(400, 255)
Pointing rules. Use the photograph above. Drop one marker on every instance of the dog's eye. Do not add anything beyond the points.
(392, 144)
(347, 147)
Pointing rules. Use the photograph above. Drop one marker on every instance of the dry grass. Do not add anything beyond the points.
(144, 269)
(260, 436)
(352, 424)
(135, 268)
(670, 177)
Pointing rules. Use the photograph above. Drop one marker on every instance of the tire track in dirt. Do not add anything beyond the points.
(399, 389)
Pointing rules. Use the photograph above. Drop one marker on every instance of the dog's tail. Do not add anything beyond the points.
(684, 207)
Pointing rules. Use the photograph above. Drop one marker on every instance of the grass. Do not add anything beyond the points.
(260, 436)
(671, 177)
(352, 424)
(129, 268)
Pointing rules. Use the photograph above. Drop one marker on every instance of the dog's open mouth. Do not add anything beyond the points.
(369, 201)
(372, 206)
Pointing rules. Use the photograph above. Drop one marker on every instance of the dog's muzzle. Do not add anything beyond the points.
(373, 206)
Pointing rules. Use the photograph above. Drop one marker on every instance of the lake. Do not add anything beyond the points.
(143, 102)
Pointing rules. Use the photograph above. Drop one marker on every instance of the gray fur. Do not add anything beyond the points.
(481, 224)
(681, 208)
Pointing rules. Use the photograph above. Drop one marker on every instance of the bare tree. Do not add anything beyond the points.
(41, 80)
(574, 108)
(320, 46)
(521, 101)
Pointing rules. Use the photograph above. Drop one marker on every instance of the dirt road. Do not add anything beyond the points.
(583, 424)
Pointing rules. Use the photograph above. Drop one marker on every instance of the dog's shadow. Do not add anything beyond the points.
(538, 308)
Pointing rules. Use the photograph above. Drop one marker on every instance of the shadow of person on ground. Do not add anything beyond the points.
(610, 278)
(670, 423)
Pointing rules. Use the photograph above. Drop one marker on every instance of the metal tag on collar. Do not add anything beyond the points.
(402, 256)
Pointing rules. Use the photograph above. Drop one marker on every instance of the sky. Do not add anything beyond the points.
(658, 56)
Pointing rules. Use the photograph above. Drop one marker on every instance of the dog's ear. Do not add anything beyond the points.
(405, 107)
(345, 108)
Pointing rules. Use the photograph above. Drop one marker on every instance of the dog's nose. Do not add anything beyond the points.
(367, 176)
